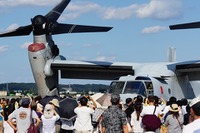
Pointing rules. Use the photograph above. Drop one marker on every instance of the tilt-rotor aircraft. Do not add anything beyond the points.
(44, 52)
(180, 79)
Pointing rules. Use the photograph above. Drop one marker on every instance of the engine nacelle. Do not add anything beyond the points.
(47, 68)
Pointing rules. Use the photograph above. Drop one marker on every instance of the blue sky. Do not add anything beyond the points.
(140, 32)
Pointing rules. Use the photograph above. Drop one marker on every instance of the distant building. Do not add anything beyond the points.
(18, 94)
(3, 93)
(69, 89)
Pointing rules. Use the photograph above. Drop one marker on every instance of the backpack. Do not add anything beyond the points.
(151, 121)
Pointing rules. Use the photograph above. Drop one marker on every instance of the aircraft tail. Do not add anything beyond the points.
(171, 54)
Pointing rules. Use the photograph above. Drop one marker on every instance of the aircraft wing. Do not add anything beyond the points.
(188, 67)
(91, 69)
(192, 70)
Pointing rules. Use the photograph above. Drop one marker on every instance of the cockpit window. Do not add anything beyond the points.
(116, 87)
(149, 87)
(135, 87)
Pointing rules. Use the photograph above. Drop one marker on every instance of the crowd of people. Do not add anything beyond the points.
(136, 115)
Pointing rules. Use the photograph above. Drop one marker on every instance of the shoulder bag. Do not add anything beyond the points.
(151, 121)
(32, 128)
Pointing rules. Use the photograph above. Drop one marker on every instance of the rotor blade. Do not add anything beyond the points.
(55, 13)
(185, 26)
(71, 28)
(21, 31)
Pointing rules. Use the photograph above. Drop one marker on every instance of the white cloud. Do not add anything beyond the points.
(25, 45)
(154, 29)
(76, 9)
(119, 13)
(3, 48)
(160, 9)
(104, 58)
(9, 28)
(83, 6)
(12, 27)
(69, 16)
(157, 9)
(11, 3)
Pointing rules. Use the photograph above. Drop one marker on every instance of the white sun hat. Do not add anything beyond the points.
(195, 101)
(48, 111)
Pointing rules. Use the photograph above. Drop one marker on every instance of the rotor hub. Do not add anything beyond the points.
(38, 23)
(38, 20)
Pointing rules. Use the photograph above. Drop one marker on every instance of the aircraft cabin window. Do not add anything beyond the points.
(142, 78)
(116, 87)
(135, 87)
(169, 90)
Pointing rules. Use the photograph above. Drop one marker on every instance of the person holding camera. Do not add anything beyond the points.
(83, 121)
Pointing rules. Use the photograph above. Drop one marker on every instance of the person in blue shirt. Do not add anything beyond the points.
(1, 120)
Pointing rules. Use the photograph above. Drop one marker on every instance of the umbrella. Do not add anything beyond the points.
(67, 107)
(47, 99)
(104, 100)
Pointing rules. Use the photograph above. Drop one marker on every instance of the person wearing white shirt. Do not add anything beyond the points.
(194, 127)
(49, 119)
(149, 109)
(136, 119)
(184, 105)
(23, 117)
(83, 122)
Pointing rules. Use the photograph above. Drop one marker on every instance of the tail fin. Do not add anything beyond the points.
(171, 54)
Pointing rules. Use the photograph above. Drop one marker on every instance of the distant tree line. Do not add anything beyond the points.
(31, 87)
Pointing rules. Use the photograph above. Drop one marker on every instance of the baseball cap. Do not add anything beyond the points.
(25, 101)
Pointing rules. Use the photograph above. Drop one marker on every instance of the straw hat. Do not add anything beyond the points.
(174, 108)
(48, 111)
(55, 102)
(39, 107)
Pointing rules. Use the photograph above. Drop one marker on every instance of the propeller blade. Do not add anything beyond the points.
(185, 26)
(55, 13)
(72, 28)
(21, 31)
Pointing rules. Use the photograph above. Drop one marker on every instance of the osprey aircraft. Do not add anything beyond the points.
(43, 52)
(180, 79)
